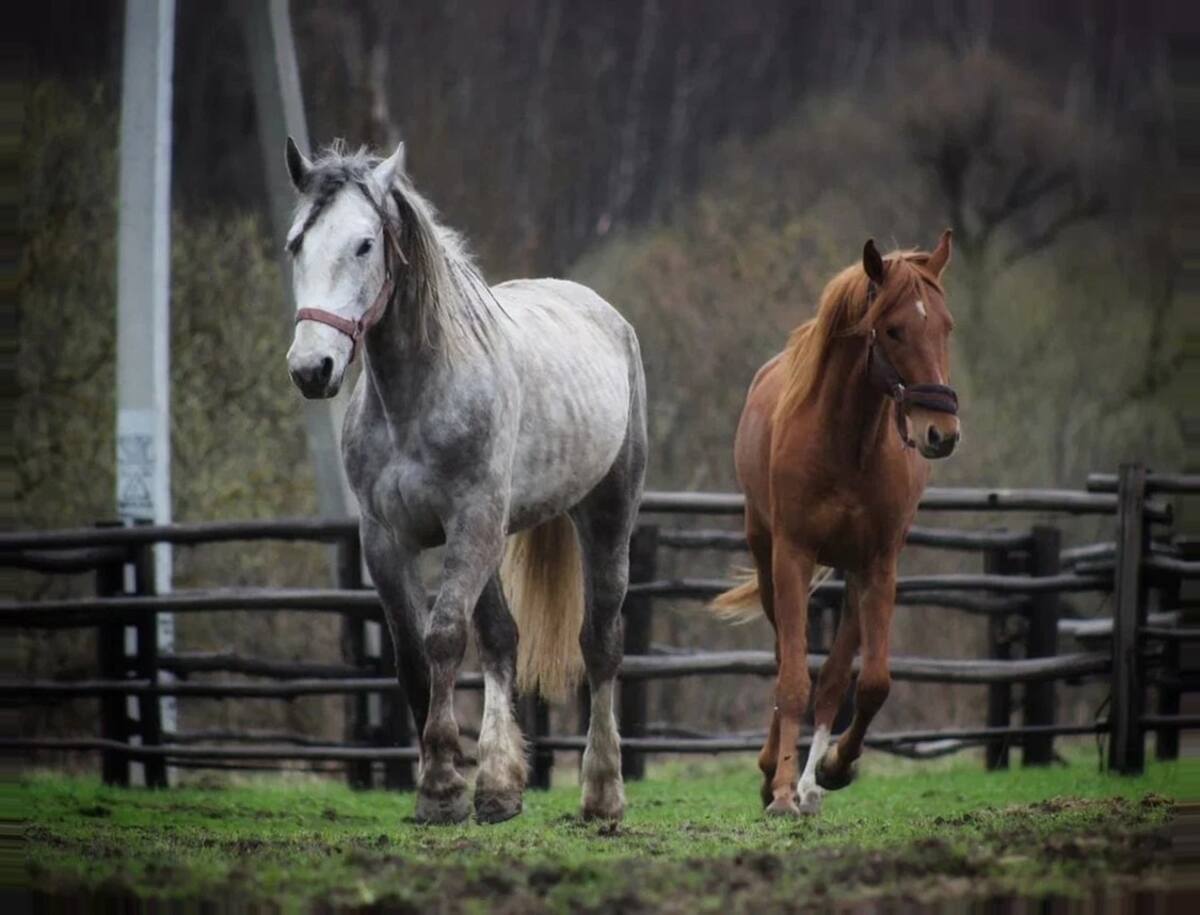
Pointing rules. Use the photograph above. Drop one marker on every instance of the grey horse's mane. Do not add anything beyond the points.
(440, 291)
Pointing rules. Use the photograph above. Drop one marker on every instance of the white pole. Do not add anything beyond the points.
(143, 287)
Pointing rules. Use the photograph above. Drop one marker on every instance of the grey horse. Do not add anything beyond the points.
(507, 423)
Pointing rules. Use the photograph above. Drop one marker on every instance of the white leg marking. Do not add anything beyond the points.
(603, 790)
(501, 756)
(809, 793)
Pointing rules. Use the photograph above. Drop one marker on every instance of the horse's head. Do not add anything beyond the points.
(341, 249)
(910, 345)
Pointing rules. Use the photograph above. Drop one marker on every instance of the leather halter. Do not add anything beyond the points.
(939, 398)
(357, 329)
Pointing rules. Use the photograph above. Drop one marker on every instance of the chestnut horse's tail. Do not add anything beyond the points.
(542, 574)
(742, 602)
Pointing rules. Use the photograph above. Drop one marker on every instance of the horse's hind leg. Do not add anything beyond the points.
(759, 539)
(502, 768)
(605, 548)
(792, 573)
(604, 521)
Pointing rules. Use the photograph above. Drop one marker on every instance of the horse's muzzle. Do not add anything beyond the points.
(314, 377)
(936, 443)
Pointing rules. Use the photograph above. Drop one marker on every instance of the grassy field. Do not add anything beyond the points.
(693, 841)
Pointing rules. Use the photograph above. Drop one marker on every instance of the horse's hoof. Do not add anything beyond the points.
(442, 808)
(496, 807)
(606, 804)
(783, 807)
(830, 775)
(810, 800)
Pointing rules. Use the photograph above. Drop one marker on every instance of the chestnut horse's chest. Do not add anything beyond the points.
(846, 516)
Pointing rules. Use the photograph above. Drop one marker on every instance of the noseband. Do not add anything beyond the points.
(355, 330)
(939, 398)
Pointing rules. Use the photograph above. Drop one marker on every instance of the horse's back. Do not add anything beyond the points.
(564, 300)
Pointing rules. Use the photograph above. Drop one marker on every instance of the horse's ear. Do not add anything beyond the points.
(873, 262)
(387, 170)
(298, 166)
(940, 258)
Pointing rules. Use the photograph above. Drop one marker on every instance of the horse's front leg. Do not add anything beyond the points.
(875, 594)
(502, 774)
(792, 573)
(474, 545)
(393, 567)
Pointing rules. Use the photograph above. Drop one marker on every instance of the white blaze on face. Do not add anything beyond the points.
(921, 309)
(338, 268)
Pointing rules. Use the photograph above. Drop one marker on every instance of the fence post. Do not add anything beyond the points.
(395, 721)
(1041, 641)
(637, 618)
(999, 561)
(354, 650)
(149, 705)
(1166, 738)
(1126, 747)
(110, 655)
(535, 712)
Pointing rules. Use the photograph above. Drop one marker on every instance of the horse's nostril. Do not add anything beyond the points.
(933, 436)
(326, 369)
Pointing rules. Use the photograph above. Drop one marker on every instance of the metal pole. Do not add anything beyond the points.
(143, 288)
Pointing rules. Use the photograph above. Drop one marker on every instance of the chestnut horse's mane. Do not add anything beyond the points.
(844, 311)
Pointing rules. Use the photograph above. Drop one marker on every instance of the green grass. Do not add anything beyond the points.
(691, 832)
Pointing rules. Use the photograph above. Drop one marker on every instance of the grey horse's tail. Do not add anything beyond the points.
(743, 602)
(543, 580)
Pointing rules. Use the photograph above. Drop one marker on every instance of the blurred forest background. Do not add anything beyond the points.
(707, 167)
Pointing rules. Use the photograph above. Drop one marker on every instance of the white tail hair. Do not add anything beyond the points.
(542, 575)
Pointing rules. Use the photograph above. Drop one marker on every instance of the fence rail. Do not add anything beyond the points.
(1025, 575)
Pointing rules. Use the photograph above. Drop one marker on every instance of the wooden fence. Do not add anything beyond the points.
(1142, 645)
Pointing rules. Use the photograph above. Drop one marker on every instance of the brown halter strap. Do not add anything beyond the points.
(940, 398)
(357, 329)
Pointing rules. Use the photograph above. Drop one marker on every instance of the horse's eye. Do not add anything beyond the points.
(896, 334)
(363, 248)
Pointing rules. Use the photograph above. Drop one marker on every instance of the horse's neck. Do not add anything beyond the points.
(399, 365)
(408, 373)
(853, 412)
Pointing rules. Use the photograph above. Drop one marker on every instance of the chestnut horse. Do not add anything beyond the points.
(830, 452)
